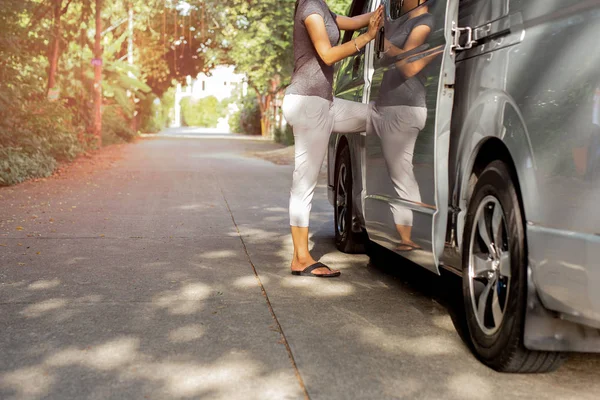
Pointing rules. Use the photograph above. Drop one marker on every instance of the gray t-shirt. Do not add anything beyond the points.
(396, 89)
(312, 77)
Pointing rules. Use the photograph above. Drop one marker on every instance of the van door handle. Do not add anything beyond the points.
(501, 27)
(504, 32)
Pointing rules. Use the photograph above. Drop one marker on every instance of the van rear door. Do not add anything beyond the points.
(407, 142)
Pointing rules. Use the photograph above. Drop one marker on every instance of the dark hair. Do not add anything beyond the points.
(296, 7)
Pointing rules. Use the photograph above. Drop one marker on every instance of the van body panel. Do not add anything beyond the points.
(561, 106)
(538, 92)
(530, 85)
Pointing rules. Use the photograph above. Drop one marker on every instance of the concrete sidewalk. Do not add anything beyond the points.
(137, 280)
(133, 283)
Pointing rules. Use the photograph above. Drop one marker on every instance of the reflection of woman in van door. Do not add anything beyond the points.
(312, 111)
(400, 111)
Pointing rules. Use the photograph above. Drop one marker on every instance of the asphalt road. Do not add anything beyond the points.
(160, 270)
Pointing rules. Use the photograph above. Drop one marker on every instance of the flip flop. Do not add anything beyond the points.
(308, 271)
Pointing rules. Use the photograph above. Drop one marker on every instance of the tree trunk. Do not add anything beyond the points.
(202, 20)
(82, 96)
(98, 75)
(133, 122)
(265, 106)
(55, 49)
(164, 26)
(264, 103)
(175, 41)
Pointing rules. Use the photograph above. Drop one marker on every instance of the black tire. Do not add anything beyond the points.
(348, 234)
(495, 273)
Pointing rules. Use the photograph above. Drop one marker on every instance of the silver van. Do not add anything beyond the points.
(482, 157)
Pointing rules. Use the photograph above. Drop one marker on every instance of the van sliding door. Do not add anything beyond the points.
(411, 92)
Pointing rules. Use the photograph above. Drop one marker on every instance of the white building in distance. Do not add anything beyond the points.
(220, 83)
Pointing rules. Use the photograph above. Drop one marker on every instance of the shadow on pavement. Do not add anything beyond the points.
(137, 286)
(445, 289)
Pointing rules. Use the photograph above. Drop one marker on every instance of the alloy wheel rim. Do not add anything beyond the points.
(489, 265)
(341, 200)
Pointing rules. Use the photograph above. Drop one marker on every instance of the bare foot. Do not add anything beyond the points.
(408, 245)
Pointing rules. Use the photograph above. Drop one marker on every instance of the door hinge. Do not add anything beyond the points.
(458, 34)
(453, 209)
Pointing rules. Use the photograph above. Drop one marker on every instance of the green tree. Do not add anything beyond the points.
(339, 6)
(173, 39)
(258, 41)
(46, 46)
(203, 112)
(247, 118)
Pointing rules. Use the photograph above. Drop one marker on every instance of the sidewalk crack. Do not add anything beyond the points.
(266, 296)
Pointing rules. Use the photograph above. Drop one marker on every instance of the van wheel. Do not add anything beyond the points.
(348, 234)
(494, 278)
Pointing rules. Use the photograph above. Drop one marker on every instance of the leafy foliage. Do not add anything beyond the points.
(48, 44)
(203, 112)
(152, 115)
(258, 41)
(339, 6)
(174, 39)
(17, 165)
(116, 126)
(247, 119)
(284, 135)
(260, 37)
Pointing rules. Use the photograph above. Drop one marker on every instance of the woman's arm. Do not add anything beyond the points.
(412, 68)
(417, 37)
(354, 23)
(332, 54)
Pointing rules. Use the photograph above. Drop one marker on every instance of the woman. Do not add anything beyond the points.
(312, 111)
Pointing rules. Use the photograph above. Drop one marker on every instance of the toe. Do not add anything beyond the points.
(324, 271)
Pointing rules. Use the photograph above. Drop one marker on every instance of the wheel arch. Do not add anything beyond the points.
(494, 130)
(494, 149)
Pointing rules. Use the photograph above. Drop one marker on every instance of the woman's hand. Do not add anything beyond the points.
(375, 22)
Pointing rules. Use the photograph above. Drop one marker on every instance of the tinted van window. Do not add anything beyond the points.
(358, 7)
(400, 7)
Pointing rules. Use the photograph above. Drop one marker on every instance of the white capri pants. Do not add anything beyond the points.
(313, 119)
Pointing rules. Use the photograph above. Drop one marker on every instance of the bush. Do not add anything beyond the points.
(203, 112)
(116, 126)
(234, 122)
(41, 126)
(151, 117)
(16, 165)
(34, 136)
(284, 136)
(247, 119)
